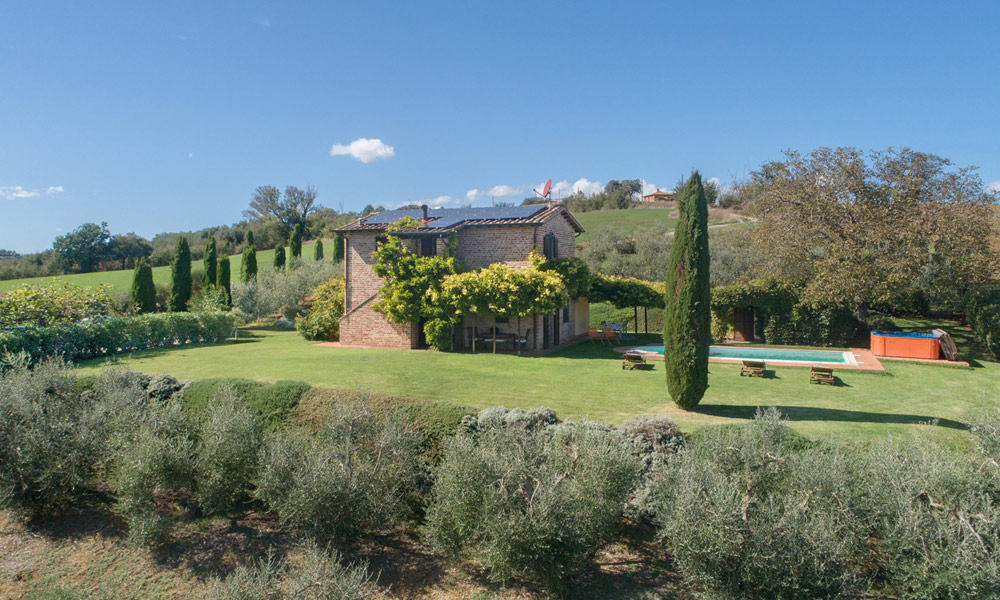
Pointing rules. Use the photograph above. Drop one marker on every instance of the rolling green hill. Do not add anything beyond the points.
(122, 280)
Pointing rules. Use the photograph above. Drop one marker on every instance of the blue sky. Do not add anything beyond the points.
(164, 116)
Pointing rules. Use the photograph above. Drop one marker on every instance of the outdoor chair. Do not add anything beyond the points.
(522, 341)
(819, 374)
(752, 368)
(611, 334)
(632, 360)
(595, 334)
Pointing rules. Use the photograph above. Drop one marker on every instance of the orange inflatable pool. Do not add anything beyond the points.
(906, 344)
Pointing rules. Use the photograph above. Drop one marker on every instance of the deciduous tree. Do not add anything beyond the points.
(858, 228)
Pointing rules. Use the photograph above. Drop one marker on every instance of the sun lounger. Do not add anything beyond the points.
(752, 368)
(595, 334)
(820, 374)
(632, 360)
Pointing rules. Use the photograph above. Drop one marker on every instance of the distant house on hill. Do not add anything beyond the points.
(484, 236)
(658, 196)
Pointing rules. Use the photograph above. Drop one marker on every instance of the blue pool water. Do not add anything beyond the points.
(905, 334)
(785, 354)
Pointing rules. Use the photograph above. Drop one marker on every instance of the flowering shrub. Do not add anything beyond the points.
(52, 304)
(323, 320)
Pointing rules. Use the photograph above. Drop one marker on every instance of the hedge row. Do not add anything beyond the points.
(116, 335)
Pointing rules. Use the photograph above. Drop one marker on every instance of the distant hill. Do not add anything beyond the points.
(122, 280)
(628, 220)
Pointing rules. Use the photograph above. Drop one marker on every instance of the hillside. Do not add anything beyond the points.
(122, 280)
(631, 219)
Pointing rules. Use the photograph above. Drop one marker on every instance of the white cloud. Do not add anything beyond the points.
(583, 185)
(12, 192)
(715, 180)
(441, 202)
(994, 187)
(190, 154)
(59, 229)
(54, 189)
(502, 191)
(364, 149)
(262, 21)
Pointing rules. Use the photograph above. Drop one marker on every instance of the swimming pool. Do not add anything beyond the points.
(776, 354)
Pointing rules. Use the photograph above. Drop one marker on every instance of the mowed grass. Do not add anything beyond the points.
(586, 381)
(122, 280)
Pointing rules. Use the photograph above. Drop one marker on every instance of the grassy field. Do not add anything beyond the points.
(587, 381)
(623, 220)
(122, 280)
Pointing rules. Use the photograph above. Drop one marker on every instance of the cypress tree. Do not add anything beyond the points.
(180, 276)
(318, 250)
(279, 258)
(249, 237)
(222, 279)
(210, 261)
(143, 293)
(687, 314)
(338, 247)
(248, 266)
(295, 241)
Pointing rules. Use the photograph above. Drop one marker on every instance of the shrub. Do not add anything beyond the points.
(295, 241)
(248, 263)
(318, 250)
(880, 322)
(319, 576)
(210, 298)
(743, 519)
(223, 280)
(353, 475)
(47, 448)
(180, 276)
(115, 335)
(984, 319)
(273, 289)
(228, 453)
(210, 262)
(143, 292)
(937, 518)
(272, 403)
(534, 501)
(279, 258)
(153, 469)
(52, 304)
(323, 320)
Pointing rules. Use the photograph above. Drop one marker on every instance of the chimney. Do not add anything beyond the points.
(423, 207)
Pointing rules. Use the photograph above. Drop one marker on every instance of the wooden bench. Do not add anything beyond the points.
(818, 374)
(752, 368)
(632, 360)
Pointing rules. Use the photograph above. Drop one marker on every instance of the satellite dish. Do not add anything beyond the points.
(546, 192)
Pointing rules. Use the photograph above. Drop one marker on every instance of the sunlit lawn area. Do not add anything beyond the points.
(122, 280)
(587, 381)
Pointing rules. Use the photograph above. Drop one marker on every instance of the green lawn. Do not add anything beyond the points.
(587, 381)
(122, 280)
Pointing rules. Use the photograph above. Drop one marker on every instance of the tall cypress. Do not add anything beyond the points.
(143, 293)
(295, 241)
(687, 310)
(249, 237)
(248, 266)
(211, 262)
(180, 276)
(338, 247)
(318, 250)
(279, 258)
(222, 279)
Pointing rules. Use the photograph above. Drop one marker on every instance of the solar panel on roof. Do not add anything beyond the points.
(449, 217)
(391, 216)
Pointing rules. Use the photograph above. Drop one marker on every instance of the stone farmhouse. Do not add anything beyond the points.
(484, 236)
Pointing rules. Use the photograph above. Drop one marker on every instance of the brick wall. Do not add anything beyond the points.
(361, 326)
